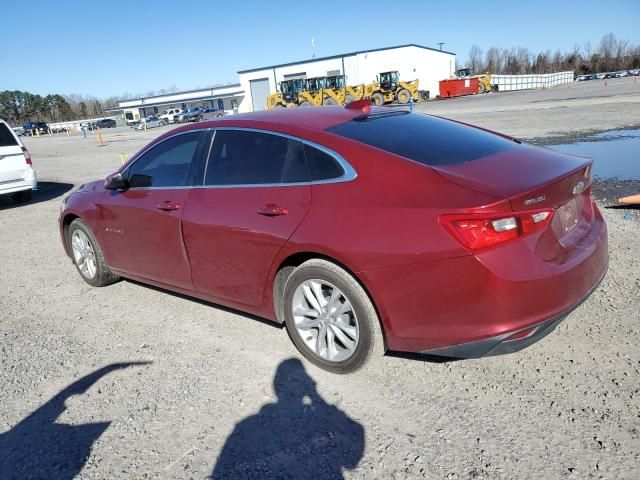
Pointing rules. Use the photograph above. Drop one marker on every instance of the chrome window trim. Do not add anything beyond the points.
(206, 163)
(349, 173)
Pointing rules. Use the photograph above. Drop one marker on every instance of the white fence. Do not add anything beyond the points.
(506, 83)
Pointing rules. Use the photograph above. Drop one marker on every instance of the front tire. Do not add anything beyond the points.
(330, 317)
(404, 96)
(377, 99)
(87, 255)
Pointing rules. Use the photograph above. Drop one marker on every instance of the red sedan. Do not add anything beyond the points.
(360, 229)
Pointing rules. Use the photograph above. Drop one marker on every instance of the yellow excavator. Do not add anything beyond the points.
(484, 81)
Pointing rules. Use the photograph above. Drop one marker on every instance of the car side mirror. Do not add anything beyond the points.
(116, 182)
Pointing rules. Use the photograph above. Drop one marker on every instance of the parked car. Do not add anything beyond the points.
(31, 128)
(610, 75)
(19, 131)
(600, 76)
(360, 229)
(106, 123)
(192, 114)
(17, 175)
(151, 122)
(621, 73)
(212, 113)
(171, 114)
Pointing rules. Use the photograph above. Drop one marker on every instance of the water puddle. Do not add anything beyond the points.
(616, 154)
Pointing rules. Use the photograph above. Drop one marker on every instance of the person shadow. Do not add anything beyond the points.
(39, 448)
(300, 436)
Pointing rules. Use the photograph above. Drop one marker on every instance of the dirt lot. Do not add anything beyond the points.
(553, 113)
(568, 406)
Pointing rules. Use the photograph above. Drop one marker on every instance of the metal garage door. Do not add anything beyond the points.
(259, 93)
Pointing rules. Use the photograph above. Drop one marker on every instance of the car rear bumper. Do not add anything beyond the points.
(469, 306)
(28, 182)
(508, 342)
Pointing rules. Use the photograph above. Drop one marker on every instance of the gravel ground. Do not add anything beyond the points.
(216, 386)
(554, 115)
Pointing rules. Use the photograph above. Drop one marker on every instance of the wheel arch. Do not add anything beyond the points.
(289, 263)
(66, 222)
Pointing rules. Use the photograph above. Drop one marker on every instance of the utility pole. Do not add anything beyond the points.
(440, 45)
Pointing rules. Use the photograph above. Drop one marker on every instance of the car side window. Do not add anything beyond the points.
(166, 164)
(243, 157)
(322, 166)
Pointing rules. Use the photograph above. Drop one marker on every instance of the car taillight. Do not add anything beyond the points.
(476, 232)
(27, 157)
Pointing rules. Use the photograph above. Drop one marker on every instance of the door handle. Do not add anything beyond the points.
(168, 205)
(272, 210)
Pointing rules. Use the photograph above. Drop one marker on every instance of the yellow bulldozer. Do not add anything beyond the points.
(389, 88)
(484, 81)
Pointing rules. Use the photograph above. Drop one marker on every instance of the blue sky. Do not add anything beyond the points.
(109, 48)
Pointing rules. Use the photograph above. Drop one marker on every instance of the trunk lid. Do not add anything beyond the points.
(529, 177)
(534, 178)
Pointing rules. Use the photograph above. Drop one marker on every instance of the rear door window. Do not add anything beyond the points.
(423, 138)
(6, 136)
(244, 157)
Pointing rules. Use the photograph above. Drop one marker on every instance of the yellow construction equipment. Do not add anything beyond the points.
(332, 90)
(288, 94)
(484, 81)
(313, 93)
(390, 88)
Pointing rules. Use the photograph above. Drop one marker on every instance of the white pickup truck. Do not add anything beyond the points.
(171, 114)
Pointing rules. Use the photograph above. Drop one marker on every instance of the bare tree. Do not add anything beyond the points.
(607, 48)
(475, 59)
(492, 61)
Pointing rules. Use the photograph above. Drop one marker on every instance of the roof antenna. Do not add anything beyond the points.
(313, 47)
(440, 45)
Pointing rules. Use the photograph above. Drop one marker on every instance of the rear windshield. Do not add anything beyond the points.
(422, 138)
(6, 137)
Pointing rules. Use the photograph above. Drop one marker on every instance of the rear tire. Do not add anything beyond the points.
(22, 197)
(330, 101)
(306, 104)
(352, 334)
(348, 99)
(377, 99)
(87, 255)
(403, 96)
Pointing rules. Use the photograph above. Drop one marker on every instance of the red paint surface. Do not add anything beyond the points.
(384, 227)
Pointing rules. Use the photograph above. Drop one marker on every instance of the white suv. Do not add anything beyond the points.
(17, 176)
(171, 114)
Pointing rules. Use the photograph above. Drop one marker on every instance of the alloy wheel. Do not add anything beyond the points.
(84, 254)
(325, 320)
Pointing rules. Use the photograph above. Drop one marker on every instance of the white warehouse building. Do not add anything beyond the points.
(412, 62)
